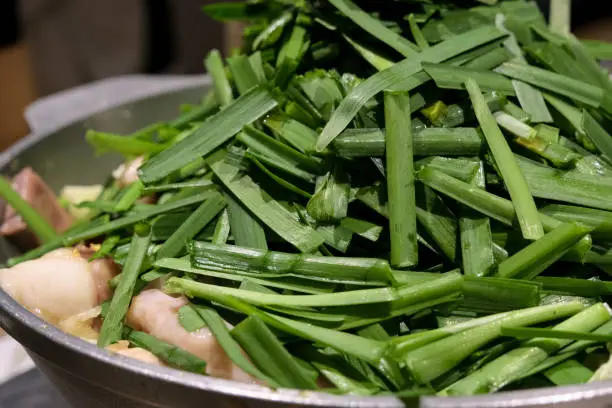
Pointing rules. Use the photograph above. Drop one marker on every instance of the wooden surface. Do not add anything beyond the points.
(16, 92)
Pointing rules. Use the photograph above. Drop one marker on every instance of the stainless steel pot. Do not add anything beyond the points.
(91, 377)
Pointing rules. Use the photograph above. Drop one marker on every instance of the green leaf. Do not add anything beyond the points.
(531, 332)
(369, 350)
(190, 319)
(269, 354)
(92, 230)
(242, 73)
(194, 223)
(436, 358)
(329, 204)
(348, 270)
(451, 77)
(222, 334)
(365, 142)
(475, 235)
(396, 77)
(264, 207)
(596, 133)
(108, 142)
(600, 50)
(210, 135)
(400, 180)
(279, 282)
(112, 327)
(375, 27)
(568, 373)
(551, 81)
(247, 231)
(527, 212)
(488, 295)
(223, 89)
(515, 363)
(168, 353)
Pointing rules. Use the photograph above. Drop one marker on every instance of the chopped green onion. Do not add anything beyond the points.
(112, 327)
(127, 200)
(396, 76)
(513, 364)
(400, 181)
(375, 27)
(218, 327)
(427, 142)
(436, 358)
(214, 66)
(271, 263)
(168, 353)
(282, 282)
(247, 231)
(535, 258)
(210, 135)
(196, 221)
(96, 229)
(531, 332)
(108, 142)
(475, 235)
(269, 354)
(526, 210)
(264, 207)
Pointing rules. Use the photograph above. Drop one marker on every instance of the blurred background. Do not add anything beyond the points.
(50, 45)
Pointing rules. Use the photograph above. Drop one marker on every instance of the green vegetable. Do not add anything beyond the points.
(221, 332)
(511, 365)
(434, 359)
(264, 207)
(400, 181)
(361, 212)
(197, 220)
(113, 325)
(526, 210)
(533, 259)
(427, 142)
(237, 259)
(210, 135)
(270, 355)
(375, 27)
(171, 355)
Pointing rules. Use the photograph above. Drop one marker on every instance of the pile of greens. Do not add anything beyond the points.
(400, 197)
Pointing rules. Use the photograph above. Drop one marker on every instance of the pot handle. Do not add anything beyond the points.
(58, 110)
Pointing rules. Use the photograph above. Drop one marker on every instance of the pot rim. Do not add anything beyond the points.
(19, 315)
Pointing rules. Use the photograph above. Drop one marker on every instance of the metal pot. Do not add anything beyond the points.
(91, 377)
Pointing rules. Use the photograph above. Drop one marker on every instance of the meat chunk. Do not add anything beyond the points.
(122, 347)
(127, 173)
(33, 189)
(56, 286)
(59, 285)
(81, 324)
(102, 271)
(156, 313)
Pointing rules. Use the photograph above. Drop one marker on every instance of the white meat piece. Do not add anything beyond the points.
(81, 325)
(56, 286)
(75, 195)
(59, 285)
(127, 173)
(156, 313)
